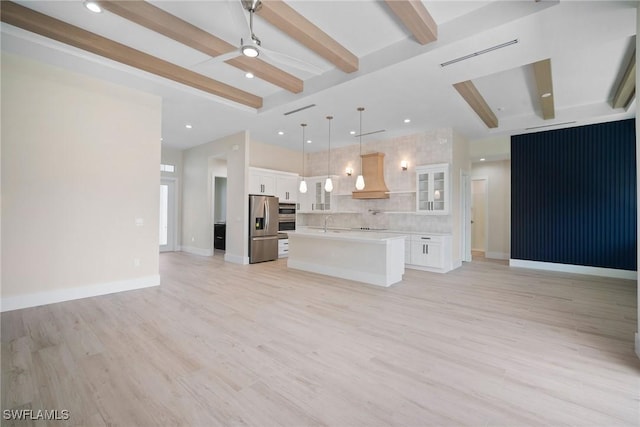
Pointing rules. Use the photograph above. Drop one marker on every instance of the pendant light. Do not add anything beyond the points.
(360, 179)
(303, 183)
(328, 185)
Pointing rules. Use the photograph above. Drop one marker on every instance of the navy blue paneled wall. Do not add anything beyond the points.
(573, 196)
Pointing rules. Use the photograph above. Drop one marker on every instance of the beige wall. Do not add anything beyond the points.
(460, 163)
(492, 148)
(273, 157)
(498, 176)
(79, 165)
(197, 222)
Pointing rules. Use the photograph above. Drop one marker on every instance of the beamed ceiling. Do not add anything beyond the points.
(485, 68)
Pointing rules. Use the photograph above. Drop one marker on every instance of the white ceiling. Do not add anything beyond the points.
(588, 42)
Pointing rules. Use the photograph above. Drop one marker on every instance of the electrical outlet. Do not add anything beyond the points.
(136, 262)
(139, 222)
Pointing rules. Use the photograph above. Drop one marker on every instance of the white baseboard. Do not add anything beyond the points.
(236, 259)
(577, 269)
(50, 297)
(638, 345)
(496, 255)
(197, 251)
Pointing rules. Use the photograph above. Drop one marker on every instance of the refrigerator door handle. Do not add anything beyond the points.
(265, 238)
(266, 214)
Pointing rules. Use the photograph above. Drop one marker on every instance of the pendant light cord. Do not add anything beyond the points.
(360, 109)
(329, 155)
(303, 126)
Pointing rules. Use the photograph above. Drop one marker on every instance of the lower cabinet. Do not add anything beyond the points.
(429, 252)
(283, 248)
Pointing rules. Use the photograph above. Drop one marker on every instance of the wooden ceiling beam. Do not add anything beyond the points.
(156, 19)
(30, 20)
(626, 90)
(544, 83)
(285, 18)
(415, 16)
(470, 94)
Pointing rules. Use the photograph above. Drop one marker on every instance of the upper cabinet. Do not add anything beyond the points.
(432, 189)
(287, 188)
(262, 182)
(316, 199)
(283, 185)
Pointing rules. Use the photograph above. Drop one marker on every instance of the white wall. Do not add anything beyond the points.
(79, 165)
(197, 225)
(498, 175)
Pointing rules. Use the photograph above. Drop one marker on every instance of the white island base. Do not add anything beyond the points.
(374, 258)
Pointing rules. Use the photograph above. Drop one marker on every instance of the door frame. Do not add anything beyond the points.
(172, 219)
(486, 209)
(465, 220)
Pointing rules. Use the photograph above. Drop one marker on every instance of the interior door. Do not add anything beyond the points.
(167, 219)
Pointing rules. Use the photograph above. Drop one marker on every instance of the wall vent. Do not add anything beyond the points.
(299, 109)
(480, 52)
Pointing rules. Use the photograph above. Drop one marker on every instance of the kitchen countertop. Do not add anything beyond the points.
(372, 230)
(347, 234)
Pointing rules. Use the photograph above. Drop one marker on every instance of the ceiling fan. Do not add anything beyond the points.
(252, 45)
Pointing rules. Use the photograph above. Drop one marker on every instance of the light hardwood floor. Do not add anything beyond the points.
(224, 344)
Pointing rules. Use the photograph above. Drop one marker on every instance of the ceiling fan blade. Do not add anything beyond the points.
(218, 59)
(240, 17)
(284, 59)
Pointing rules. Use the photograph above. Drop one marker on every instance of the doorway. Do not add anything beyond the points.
(479, 216)
(167, 219)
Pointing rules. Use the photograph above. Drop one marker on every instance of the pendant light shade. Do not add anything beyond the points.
(303, 183)
(360, 179)
(328, 185)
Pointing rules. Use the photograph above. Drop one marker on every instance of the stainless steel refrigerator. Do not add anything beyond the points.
(263, 228)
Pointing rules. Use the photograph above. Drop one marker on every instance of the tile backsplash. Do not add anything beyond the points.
(398, 211)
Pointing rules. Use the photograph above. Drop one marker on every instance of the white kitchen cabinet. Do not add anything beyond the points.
(283, 185)
(430, 252)
(262, 182)
(432, 189)
(283, 248)
(316, 199)
(287, 188)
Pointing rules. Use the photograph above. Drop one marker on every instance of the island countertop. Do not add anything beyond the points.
(348, 235)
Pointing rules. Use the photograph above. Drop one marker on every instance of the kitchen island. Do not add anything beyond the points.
(376, 258)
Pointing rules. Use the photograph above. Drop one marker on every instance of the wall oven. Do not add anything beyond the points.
(286, 217)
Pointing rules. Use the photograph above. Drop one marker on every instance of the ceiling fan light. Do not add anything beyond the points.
(93, 6)
(250, 51)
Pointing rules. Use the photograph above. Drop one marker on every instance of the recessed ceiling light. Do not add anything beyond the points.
(482, 159)
(93, 6)
(308, 141)
(407, 120)
(188, 126)
(353, 132)
(546, 94)
(280, 132)
(249, 75)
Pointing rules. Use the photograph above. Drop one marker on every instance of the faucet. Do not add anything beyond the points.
(326, 218)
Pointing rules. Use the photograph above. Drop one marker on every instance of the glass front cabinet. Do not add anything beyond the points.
(432, 189)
